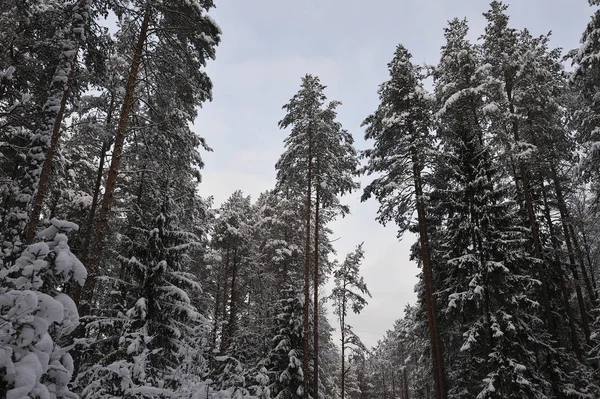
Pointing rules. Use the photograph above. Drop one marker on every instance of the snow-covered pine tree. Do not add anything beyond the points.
(32, 87)
(47, 136)
(283, 224)
(151, 284)
(329, 356)
(232, 235)
(22, 84)
(88, 141)
(319, 157)
(335, 166)
(173, 40)
(400, 128)
(552, 152)
(348, 294)
(275, 250)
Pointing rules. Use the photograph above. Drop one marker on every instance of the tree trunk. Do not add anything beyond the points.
(343, 354)
(563, 219)
(307, 267)
(406, 394)
(216, 316)
(316, 288)
(535, 234)
(229, 329)
(570, 232)
(89, 229)
(586, 278)
(113, 171)
(439, 374)
(225, 279)
(561, 278)
(586, 246)
(89, 232)
(52, 117)
(343, 332)
(537, 249)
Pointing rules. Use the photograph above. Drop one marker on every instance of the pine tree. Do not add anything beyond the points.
(319, 158)
(348, 295)
(174, 40)
(32, 177)
(232, 236)
(401, 130)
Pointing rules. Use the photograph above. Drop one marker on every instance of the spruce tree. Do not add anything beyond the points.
(487, 274)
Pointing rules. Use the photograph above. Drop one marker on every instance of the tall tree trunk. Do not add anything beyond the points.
(561, 279)
(216, 316)
(563, 219)
(38, 172)
(589, 257)
(406, 395)
(89, 230)
(225, 279)
(307, 266)
(229, 328)
(528, 198)
(586, 279)
(537, 249)
(439, 374)
(113, 171)
(343, 332)
(342, 323)
(570, 232)
(316, 287)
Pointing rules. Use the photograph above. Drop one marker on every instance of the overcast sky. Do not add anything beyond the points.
(268, 45)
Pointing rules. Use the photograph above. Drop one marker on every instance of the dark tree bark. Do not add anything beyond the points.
(113, 171)
(316, 288)
(439, 374)
(229, 328)
(533, 225)
(343, 386)
(305, 357)
(406, 395)
(561, 279)
(89, 230)
(570, 252)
